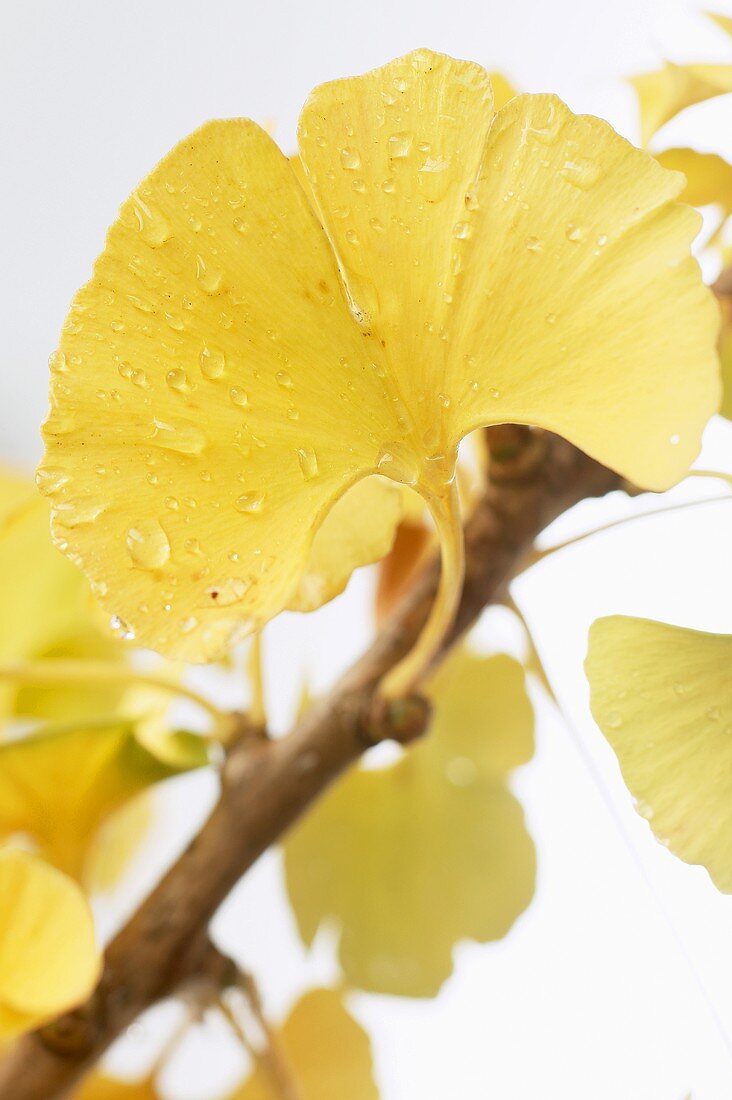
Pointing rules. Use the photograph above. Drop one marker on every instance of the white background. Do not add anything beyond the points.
(618, 981)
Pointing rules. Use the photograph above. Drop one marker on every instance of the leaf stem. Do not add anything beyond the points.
(266, 1054)
(257, 706)
(445, 511)
(104, 672)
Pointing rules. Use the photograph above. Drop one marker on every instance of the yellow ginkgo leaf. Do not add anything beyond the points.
(384, 849)
(48, 955)
(503, 90)
(663, 698)
(116, 842)
(708, 176)
(666, 92)
(237, 362)
(358, 530)
(58, 787)
(328, 1054)
(722, 21)
(45, 608)
(99, 1086)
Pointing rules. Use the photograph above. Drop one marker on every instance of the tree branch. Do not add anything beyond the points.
(266, 785)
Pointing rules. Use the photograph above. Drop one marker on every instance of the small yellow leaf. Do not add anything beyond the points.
(238, 361)
(666, 92)
(327, 1052)
(116, 842)
(708, 177)
(384, 849)
(358, 530)
(46, 610)
(503, 90)
(723, 21)
(59, 786)
(48, 956)
(663, 698)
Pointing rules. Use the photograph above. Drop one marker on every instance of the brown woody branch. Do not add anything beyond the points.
(266, 785)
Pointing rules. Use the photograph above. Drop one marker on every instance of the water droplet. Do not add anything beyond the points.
(350, 159)
(57, 362)
(283, 379)
(675, 440)
(551, 318)
(461, 771)
(435, 164)
(178, 380)
(399, 145)
(582, 172)
(602, 240)
(50, 479)
(533, 244)
(212, 362)
(121, 628)
(210, 278)
(388, 186)
(462, 230)
(574, 233)
(238, 397)
(147, 545)
(250, 503)
(471, 200)
(398, 463)
(185, 439)
(152, 225)
(308, 460)
(227, 592)
(614, 720)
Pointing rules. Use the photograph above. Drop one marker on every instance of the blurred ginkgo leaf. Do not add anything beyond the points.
(358, 530)
(328, 1054)
(46, 610)
(57, 786)
(708, 176)
(663, 94)
(48, 955)
(412, 858)
(662, 695)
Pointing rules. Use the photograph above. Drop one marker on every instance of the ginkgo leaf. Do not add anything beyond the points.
(328, 1054)
(722, 21)
(503, 90)
(116, 842)
(234, 366)
(358, 530)
(708, 176)
(662, 696)
(384, 849)
(45, 608)
(663, 94)
(58, 786)
(99, 1086)
(48, 956)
